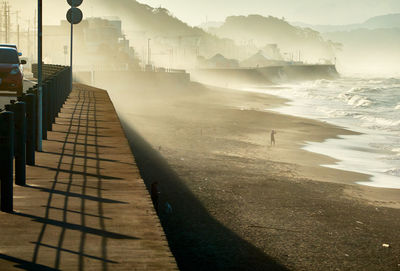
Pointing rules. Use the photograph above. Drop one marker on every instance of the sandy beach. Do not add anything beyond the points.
(239, 203)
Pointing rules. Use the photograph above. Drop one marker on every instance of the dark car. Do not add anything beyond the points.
(11, 76)
(11, 46)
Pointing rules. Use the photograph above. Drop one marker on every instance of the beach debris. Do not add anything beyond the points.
(386, 245)
(182, 159)
(359, 222)
(347, 255)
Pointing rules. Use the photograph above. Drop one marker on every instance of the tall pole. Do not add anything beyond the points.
(8, 23)
(74, 16)
(39, 93)
(71, 51)
(35, 36)
(28, 43)
(1, 26)
(17, 17)
(18, 36)
(148, 52)
(5, 22)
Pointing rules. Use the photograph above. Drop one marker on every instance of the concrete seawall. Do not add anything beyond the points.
(265, 75)
(85, 206)
(103, 78)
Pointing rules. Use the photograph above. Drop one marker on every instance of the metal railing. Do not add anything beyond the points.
(18, 128)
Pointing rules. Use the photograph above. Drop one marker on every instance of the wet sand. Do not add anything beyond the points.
(240, 204)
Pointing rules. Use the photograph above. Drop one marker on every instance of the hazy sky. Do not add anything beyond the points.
(195, 12)
(309, 11)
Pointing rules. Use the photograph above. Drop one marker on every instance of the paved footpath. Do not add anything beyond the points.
(85, 206)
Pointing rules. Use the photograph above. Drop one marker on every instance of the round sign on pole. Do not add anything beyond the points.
(74, 15)
(75, 3)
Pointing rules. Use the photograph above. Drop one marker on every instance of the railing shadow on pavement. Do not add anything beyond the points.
(85, 119)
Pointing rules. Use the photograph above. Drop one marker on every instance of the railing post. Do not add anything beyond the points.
(19, 110)
(45, 107)
(34, 91)
(6, 160)
(49, 119)
(30, 100)
(52, 100)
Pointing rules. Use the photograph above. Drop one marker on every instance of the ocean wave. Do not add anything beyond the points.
(393, 172)
(321, 82)
(368, 89)
(358, 101)
(355, 90)
(378, 122)
(355, 100)
(393, 81)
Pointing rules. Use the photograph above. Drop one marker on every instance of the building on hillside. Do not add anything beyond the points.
(260, 60)
(99, 44)
(217, 61)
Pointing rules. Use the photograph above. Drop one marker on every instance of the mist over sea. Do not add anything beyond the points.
(370, 106)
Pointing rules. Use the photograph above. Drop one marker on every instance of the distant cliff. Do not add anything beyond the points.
(382, 21)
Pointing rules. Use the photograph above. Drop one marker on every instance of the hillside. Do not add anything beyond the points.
(256, 30)
(173, 42)
(383, 21)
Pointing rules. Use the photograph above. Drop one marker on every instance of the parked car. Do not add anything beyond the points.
(11, 46)
(11, 76)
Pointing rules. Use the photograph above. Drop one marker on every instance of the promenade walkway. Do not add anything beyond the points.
(85, 206)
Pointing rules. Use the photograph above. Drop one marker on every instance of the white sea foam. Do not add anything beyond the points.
(357, 101)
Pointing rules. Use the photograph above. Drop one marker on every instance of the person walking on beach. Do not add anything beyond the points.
(154, 195)
(273, 132)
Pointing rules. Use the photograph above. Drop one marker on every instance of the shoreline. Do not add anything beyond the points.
(239, 204)
(357, 153)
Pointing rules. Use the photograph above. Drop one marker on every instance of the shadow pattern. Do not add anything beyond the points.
(83, 118)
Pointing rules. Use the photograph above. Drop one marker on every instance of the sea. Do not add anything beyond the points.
(369, 106)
